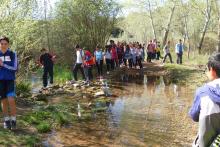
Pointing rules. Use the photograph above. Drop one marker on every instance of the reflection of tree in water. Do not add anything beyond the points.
(115, 110)
(167, 83)
(151, 84)
(166, 80)
(138, 79)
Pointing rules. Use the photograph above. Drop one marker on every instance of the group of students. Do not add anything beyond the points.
(154, 51)
(206, 105)
(114, 55)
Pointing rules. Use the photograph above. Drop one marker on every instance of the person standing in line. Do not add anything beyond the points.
(134, 54)
(108, 58)
(127, 56)
(99, 60)
(139, 56)
(120, 53)
(114, 57)
(79, 63)
(88, 63)
(150, 50)
(158, 49)
(143, 54)
(8, 68)
(154, 46)
(46, 60)
(179, 52)
(167, 52)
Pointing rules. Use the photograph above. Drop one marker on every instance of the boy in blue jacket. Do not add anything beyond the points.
(206, 105)
(8, 68)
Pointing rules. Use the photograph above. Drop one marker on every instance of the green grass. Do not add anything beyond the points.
(9, 138)
(190, 73)
(24, 88)
(43, 127)
(185, 74)
(45, 118)
(62, 73)
(194, 58)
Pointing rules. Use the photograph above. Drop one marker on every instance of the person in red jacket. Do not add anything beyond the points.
(120, 53)
(88, 63)
(113, 54)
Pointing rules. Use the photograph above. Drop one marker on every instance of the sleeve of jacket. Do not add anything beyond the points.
(195, 109)
(13, 66)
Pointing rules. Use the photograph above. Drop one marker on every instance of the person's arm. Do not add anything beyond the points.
(195, 109)
(13, 66)
(116, 54)
(164, 49)
(176, 48)
(83, 57)
(95, 55)
(103, 53)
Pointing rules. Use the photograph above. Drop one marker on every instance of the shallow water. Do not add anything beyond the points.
(149, 111)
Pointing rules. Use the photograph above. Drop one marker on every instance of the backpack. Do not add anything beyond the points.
(216, 142)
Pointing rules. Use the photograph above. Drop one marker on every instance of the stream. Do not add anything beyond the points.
(148, 111)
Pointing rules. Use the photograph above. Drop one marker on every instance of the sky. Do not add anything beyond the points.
(128, 6)
(125, 10)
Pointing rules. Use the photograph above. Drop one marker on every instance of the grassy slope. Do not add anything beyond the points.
(191, 73)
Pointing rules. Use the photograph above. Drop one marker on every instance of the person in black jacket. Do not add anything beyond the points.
(46, 61)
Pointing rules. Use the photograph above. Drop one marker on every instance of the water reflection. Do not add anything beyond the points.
(149, 111)
(36, 83)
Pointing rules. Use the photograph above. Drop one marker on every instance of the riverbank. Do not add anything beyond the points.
(71, 103)
(56, 107)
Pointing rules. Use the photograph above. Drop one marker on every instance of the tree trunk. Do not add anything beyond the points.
(207, 20)
(217, 7)
(168, 25)
(218, 48)
(46, 24)
(186, 36)
(152, 20)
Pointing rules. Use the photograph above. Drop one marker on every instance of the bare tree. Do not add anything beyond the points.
(167, 29)
(218, 10)
(186, 31)
(207, 14)
(46, 23)
(152, 20)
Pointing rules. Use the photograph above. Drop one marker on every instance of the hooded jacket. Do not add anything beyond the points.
(206, 111)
